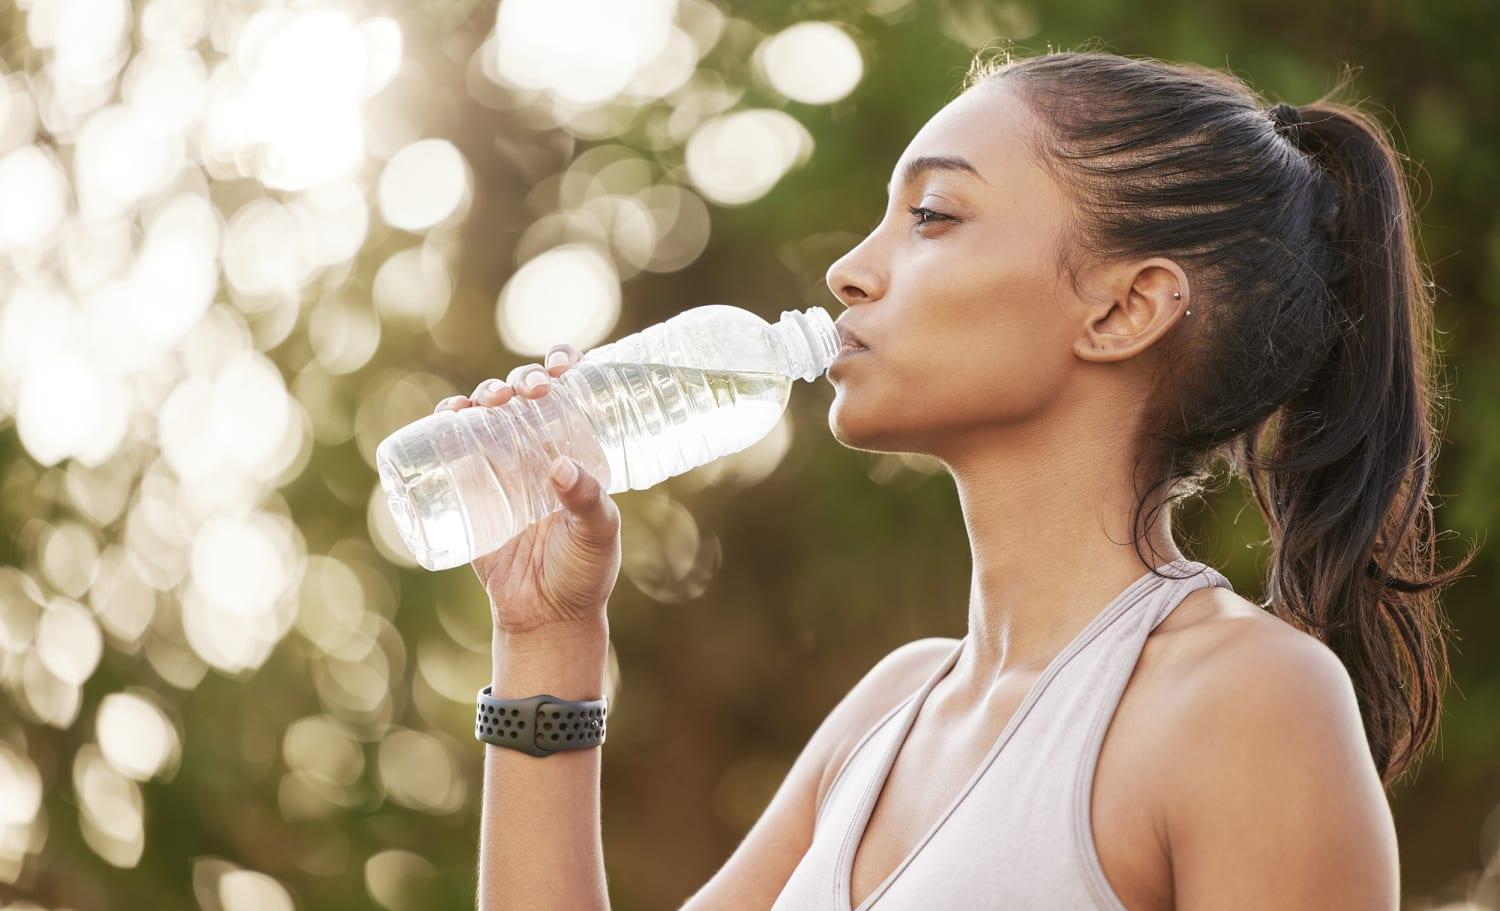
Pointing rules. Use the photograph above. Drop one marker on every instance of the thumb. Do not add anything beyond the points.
(591, 513)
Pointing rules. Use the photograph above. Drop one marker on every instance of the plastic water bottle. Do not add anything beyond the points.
(708, 382)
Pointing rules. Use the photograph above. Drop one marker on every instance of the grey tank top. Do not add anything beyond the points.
(1018, 836)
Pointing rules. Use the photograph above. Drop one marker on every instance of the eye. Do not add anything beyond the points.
(925, 217)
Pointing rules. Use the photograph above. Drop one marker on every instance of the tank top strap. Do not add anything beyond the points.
(1186, 577)
(1182, 578)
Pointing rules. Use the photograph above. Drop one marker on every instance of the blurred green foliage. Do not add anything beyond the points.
(808, 576)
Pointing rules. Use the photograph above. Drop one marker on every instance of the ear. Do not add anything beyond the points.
(1133, 305)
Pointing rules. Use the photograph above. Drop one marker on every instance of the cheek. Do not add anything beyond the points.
(910, 397)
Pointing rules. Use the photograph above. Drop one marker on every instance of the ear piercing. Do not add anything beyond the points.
(1177, 296)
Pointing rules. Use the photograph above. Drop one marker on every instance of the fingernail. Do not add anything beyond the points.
(447, 403)
(489, 388)
(557, 359)
(534, 379)
(565, 472)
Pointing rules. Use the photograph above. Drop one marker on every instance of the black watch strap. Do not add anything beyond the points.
(539, 725)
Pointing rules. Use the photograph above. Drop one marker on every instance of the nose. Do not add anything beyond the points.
(853, 277)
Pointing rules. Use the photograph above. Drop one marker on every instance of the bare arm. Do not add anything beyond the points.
(539, 828)
(1276, 802)
(539, 839)
(759, 868)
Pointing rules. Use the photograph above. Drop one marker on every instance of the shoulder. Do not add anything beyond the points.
(883, 688)
(1269, 767)
(1233, 665)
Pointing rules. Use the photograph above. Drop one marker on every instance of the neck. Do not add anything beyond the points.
(1049, 524)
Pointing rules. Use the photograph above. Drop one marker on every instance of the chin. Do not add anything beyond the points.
(866, 433)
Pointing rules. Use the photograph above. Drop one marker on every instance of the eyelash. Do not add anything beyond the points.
(926, 217)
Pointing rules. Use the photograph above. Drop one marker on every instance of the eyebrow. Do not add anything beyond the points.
(919, 166)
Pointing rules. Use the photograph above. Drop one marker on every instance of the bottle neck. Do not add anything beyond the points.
(810, 341)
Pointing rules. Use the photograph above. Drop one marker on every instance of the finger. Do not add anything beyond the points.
(592, 515)
(491, 393)
(530, 380)
(561, 357)
(452, 403)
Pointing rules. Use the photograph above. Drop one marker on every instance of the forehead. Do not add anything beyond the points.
(988, 126)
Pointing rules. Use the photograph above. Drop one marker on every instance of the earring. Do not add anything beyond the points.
(1176, 295)
(1188, 313)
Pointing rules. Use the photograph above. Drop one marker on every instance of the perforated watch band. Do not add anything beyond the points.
(539, 725)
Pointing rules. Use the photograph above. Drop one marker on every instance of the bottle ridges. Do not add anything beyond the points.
(656, 420)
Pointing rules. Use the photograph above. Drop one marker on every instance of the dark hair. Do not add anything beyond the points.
(1308, 364)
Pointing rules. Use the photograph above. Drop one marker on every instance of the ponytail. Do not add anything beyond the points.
(1342, 470)
(1309, 361)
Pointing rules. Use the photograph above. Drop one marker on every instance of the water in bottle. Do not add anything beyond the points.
(706, 383)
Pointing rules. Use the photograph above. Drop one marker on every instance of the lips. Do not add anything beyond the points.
(851, 341)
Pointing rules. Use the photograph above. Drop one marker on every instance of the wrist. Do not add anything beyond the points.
(553, 637)
(569, 664)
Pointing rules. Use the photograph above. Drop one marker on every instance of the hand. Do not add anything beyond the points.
(554, 578)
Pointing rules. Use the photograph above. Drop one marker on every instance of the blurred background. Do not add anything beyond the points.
(242, 240)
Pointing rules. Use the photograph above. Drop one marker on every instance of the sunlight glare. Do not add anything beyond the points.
(308, 74)
(121, 158)
(175, 24)
(68, 409)
(584, 52)
(88, 38)
(35, 191)
(166, 87)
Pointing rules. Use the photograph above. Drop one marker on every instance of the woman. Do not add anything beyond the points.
(1096, 278)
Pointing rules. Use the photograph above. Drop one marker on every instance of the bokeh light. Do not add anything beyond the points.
(419, 771)
(36, 192)
(812, 62)
(737, 158)
(413, 286)
(332, 221)
(582, 51)
(297, 108)
(665, 554)
(567, 294)
(20, 788)
(111, 811)
(23, 826)
(68, 641)
(248, 890)
(399, 880)
(423, 184)
(136, 736)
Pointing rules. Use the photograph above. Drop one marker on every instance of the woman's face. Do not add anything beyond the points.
(957, 294)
